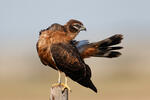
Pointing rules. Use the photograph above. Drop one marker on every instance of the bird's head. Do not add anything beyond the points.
(75, 26)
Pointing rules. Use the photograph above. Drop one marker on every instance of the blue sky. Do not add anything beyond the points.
(29, 16)
(21, 20)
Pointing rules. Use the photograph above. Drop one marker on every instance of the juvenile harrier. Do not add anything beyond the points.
(57, 49)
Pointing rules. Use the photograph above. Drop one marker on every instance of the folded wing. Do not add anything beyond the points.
(68, 60)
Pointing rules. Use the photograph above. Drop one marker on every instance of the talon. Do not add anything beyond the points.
(65, 87)
(62, 85)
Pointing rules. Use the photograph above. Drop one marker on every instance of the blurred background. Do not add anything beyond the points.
(23, 77)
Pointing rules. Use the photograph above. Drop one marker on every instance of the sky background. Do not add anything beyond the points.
(22, 76)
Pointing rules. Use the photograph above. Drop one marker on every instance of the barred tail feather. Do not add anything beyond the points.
(110, 54)
(104, 48)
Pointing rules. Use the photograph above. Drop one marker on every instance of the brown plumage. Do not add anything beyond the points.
(101, 48)
(56, 50)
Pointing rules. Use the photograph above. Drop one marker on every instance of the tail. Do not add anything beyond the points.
(91, 86)
(86, 81)
(102, 48)
(84, 78)
(88, 84)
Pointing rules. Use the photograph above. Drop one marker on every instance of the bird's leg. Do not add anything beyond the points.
(59, 80)
(66, 80)
(66, 85)
(59, 77)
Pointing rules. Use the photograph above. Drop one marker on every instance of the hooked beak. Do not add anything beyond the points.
(82, 28)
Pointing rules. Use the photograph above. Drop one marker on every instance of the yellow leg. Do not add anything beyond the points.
(66, 80)
(61, 84)
(59, 80)
(59, 77)
(66, 85)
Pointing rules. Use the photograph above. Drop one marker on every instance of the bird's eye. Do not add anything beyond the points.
(77, 25)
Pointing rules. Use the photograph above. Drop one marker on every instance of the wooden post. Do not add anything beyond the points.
(58, 94)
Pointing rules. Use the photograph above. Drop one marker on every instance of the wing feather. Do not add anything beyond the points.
(68, 60)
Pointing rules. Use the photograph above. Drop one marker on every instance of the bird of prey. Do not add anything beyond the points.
(57, 48)
(96, 49)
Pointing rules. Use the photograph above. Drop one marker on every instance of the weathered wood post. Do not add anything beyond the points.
(57, 93)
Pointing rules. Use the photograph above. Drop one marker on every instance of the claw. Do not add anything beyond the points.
(65, 87)
(62, 85)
